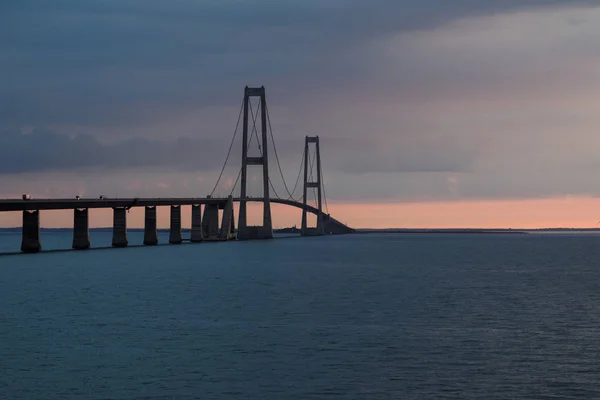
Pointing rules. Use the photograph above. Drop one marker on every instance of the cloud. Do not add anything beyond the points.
(41, 150)
(406, 95)
(121, 62)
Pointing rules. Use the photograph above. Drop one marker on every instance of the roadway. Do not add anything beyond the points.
(70, 204)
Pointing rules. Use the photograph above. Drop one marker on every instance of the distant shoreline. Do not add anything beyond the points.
(477, 231)
(439, 231)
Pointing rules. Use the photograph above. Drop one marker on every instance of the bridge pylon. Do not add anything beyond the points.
(314, 183)
(265, 231)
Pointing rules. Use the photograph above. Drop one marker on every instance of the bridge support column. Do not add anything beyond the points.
(314, 183)
(210, 222)
(30, 242)
(196, 231)
(119, 238)
(175, 232)
(227, 231)
(150, 233)
(266, 230)
(232, 231)
(81, 232)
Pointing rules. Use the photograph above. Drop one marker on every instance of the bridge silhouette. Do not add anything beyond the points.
(205, 224)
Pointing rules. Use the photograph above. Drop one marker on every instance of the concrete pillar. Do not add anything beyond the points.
(210, 222)
(81, 233)
(119, 227)
(196, 232)
(30, 242)
(233, 232)
(227, 231)
(175, 233)
(150, 234)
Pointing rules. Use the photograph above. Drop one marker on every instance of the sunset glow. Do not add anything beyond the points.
(571, 212)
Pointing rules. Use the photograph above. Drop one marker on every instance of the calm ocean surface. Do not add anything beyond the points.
(351, 317)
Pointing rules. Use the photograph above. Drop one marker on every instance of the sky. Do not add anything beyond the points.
(431, 113)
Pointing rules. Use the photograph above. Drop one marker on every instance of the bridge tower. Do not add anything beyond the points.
(315, 183)
(266, 230)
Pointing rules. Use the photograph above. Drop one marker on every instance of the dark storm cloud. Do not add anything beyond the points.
(72, 62)
(47, 151)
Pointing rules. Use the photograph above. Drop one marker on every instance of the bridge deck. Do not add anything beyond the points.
(69, 204)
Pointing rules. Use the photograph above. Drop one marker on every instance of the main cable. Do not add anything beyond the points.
(298, 178)
(229, 151)
(273, 189)
(275, 150)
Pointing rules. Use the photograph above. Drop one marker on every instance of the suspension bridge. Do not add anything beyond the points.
(206, 223)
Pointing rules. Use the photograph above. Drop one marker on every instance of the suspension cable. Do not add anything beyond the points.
(261, 152)
(255, 133)
(320, 179)
(273, 189)
(236, 182)
(323, 187)
(275, 150)
(312, 164)
(298, 177)
(230, 147)
(254, 117)
(254, 130)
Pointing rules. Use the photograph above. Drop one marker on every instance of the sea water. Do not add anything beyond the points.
(421, 316)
